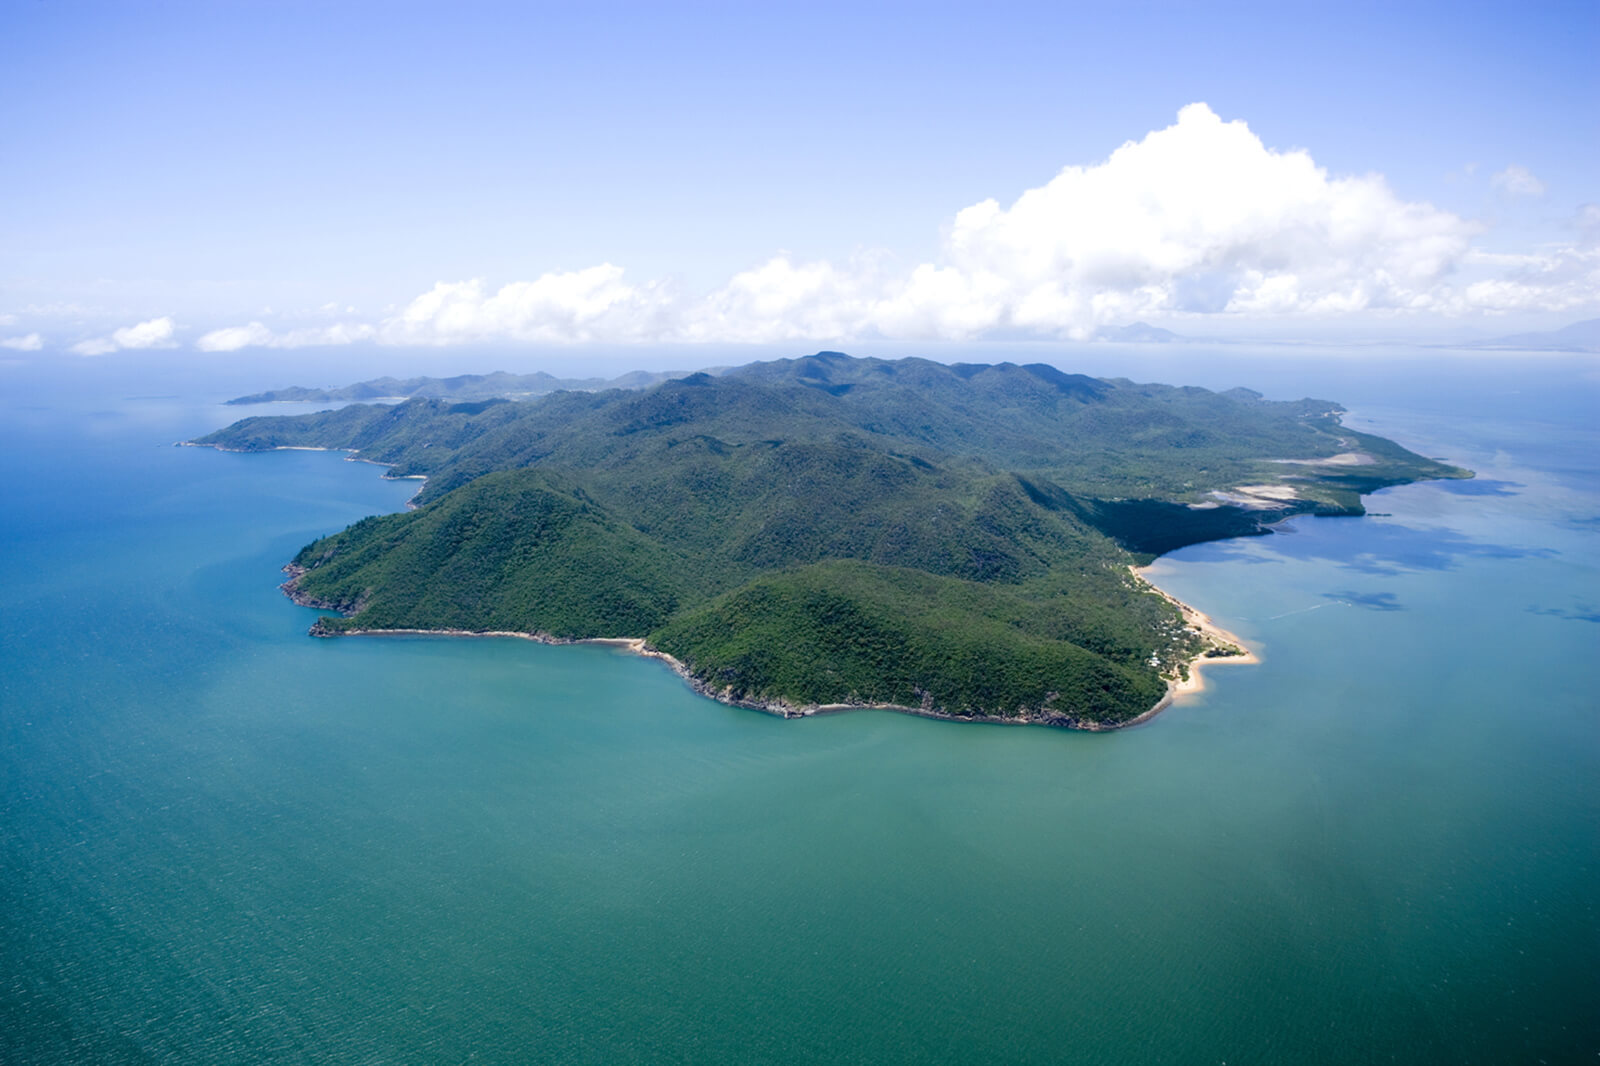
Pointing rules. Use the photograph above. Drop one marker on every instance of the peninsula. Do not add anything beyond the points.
(827, 532)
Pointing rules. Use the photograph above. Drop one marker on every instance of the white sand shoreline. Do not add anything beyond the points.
(1178, 688)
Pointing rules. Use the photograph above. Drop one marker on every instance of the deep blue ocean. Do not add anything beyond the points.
(224, 841)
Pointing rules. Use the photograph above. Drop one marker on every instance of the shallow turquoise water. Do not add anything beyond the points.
(223, 840)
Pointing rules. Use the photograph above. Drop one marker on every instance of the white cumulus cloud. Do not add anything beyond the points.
(780, 300)
(156, 333)
(232, 338)
(595, 304)
(257, 335)
(29, 342)
(1557, 277)
(1517, 181)
(1198, 218)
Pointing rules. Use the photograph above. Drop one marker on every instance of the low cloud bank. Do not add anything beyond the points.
(256, 335)
(156, 333)
(28, 342)
(1199, 218)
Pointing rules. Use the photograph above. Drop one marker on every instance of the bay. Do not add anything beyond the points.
(221, 840)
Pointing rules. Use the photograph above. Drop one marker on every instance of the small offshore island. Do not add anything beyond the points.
(824, 533)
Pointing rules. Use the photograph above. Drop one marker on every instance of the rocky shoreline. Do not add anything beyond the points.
(353, 456)
(1176, 686)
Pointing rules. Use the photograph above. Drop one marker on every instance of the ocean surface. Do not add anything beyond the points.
(224, 841)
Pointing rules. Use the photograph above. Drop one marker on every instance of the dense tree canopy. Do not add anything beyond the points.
(833, 530)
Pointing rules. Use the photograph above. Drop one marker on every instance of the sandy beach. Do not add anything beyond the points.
(1201, 622)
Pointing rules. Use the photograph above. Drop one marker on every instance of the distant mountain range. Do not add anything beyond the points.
(1578, 337)
(1138, 333)
(462, 388)
(469, 388)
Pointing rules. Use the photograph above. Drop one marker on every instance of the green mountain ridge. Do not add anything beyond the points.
(461, 388)
(831, 530)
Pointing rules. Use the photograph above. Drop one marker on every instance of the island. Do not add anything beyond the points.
(802, 535)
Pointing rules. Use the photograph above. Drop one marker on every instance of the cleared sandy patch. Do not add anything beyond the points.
(1342, 459)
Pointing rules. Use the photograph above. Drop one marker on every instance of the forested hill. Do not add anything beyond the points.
(462, 388)
(835, 530)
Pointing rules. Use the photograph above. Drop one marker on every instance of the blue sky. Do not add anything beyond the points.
(235, 176)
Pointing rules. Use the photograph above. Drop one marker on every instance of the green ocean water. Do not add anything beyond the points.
(221, 840)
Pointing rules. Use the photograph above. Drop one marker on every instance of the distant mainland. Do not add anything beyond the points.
(812, 534)
(1578, 337)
